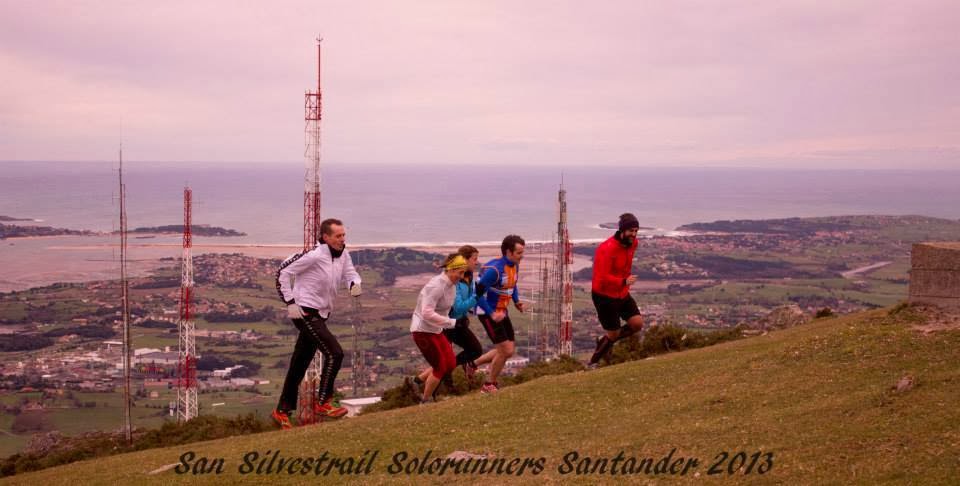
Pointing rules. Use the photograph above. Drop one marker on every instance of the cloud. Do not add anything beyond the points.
(620, 82)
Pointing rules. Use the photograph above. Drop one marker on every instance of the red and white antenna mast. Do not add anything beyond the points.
(313, 108)
(187, 365)
(125, 308)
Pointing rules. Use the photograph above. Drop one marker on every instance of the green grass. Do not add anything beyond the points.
(818, 397)
(10, 443)
(75, 421)
(13, 310)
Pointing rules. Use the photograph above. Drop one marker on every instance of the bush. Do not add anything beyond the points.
(31, 422)
(558, 366)
(156, 324)
(211, 361)
(102, 444)
(265, 314)
(902, 306)
(825, 312)
(403, 395)
(100, 332)
(249, 369)
(21, 342)
(666, 338)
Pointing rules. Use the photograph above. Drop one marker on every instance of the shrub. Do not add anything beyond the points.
(666, 338)
(558, 366)
(101, 444)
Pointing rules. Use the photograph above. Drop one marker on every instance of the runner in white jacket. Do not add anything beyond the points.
(307, 283)
(432, 316)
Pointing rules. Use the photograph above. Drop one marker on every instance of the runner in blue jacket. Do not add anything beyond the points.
(496, 288)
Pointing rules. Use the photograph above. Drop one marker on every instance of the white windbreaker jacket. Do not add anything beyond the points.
(310, 279)
(433, 306)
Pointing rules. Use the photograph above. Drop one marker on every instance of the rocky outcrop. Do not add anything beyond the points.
(783, 317)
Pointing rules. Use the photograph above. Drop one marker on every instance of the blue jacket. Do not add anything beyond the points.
(498, 285)
(465, 301)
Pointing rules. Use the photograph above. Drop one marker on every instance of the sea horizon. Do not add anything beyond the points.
(426, 205)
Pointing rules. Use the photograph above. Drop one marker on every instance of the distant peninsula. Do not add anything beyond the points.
(16, 231)
(197, 229)
(11, 218)
(812, 226)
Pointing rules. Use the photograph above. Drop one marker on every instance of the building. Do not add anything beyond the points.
(355, 405)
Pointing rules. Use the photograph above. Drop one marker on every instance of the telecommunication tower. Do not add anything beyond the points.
(187, 364)
(358, 364)
(313, 111)
(564, 264)
(125, 308)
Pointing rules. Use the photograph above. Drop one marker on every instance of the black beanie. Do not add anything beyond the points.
(628, 221)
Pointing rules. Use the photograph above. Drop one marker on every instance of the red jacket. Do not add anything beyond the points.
(611, 266)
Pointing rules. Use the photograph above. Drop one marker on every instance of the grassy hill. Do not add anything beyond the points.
(817, 402)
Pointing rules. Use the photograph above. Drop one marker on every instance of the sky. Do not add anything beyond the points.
(794, 83)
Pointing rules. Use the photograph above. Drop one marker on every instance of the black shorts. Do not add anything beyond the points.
(611, 311)
(497, 331)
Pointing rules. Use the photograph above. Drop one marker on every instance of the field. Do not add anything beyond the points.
(815, 404)
(741, 278)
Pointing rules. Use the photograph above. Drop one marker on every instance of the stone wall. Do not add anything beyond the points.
(935, 274)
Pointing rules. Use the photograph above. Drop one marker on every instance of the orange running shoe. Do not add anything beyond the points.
(329, 408)
(282, 419)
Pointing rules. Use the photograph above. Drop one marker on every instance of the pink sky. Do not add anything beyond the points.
(860, 84)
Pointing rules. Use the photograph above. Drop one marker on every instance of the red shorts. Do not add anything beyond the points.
(438, 352)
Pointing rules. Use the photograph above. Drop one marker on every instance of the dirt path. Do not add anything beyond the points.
(858, 271)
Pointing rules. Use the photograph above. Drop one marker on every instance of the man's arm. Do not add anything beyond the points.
(350, 275)
(288, 270)
(487, 280)
(516, 300)
(431, 295)
(463, 302)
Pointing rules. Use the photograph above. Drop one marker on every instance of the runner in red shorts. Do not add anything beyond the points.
(432, 316)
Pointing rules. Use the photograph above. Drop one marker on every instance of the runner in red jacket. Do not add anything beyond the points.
(612, 264)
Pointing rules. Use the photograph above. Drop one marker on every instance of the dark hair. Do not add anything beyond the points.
(467, 251)
(325, 226)
(510, 243)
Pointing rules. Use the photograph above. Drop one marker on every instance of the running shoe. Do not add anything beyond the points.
(489, 388)
(470, 371)
(329, 408)
(282, 419)
(604, 345)
(417, 386)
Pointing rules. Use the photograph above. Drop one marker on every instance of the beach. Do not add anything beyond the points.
(41, 261)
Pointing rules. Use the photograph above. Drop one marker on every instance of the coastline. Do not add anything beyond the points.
(38, 261)
(41, 260)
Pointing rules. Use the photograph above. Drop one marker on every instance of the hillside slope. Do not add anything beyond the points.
(817, 402)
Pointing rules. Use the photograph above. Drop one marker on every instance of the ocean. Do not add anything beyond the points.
(438, 205)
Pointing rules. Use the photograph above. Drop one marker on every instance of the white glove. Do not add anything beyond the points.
(294, 311)
(355, 290)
